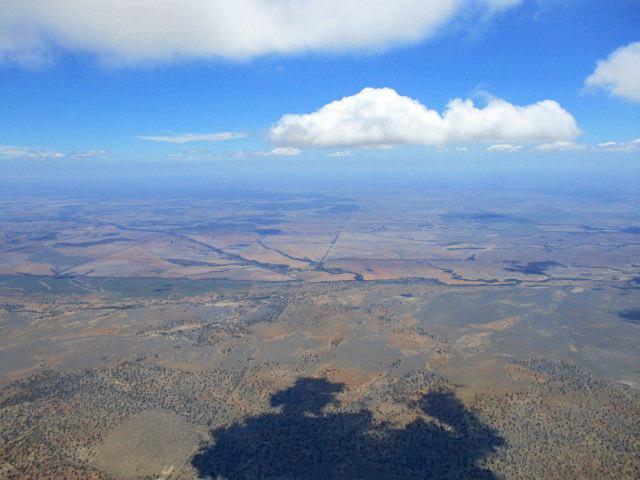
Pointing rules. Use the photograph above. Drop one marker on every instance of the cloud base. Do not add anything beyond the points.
(128, 32)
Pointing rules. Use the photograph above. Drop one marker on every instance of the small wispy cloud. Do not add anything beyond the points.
(91, 154)
(503, 147)
(12, 152)
(194, 137)
(561, 146)
(620, 146)
(341, 154)
(188, 153)
(276, 152)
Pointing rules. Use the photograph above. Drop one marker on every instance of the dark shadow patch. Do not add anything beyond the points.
(267, 231)
(630, 316)
(632, 230)
(482, 217)
(588, 228)
(342, 208)
(305, 442)
(93, 243)
(190, 263)
(43, 237)
(164, 288)
(532, 268)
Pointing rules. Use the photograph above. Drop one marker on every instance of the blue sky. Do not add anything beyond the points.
(89, 98)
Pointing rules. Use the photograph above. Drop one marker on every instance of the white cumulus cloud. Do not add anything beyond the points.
(194, 137)
(380, 116)
(619, 73)
(130, 31)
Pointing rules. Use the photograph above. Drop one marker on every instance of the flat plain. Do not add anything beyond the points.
(429, 334)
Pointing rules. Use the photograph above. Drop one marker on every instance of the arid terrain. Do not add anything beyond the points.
(457, 238)
(310, 336)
